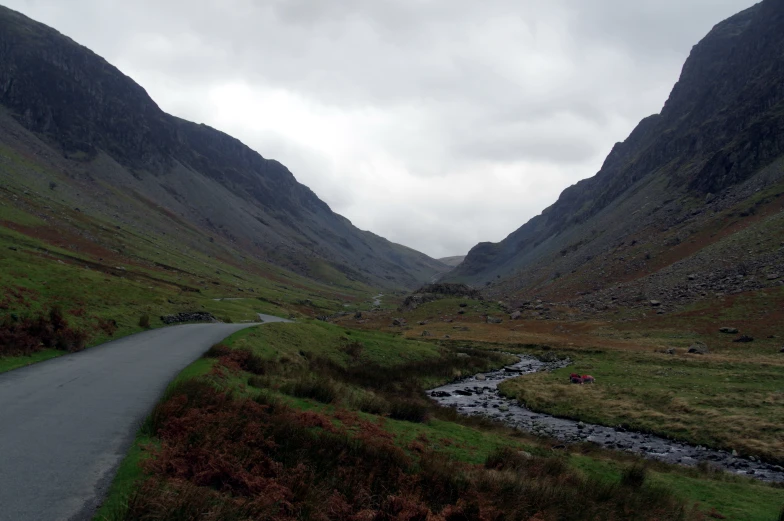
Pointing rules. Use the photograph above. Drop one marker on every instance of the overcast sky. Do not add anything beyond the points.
(435, 123)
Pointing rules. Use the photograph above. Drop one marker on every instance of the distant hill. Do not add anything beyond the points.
(452, 261)
(689, 206)
(113, 153)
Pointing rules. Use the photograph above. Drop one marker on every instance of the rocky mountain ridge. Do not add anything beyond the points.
(688, 191)
(97, 134)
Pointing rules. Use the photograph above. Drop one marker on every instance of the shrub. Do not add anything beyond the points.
(144, 321)
(108, 326)
(24, 336)
(217, 351)
(353, 349)
(408, 410)
(372, 404)
(634, 476)
(324, 391)
(228, 320)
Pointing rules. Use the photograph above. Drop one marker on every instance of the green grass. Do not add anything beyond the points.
(10, 363)
(723, 403)
(129, 474)
(737, 498)
(330, 341)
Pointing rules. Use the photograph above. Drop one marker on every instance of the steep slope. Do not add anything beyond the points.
(453, 261)
(680, 188)
(118, 154)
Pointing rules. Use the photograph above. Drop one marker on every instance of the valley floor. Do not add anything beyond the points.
(322, 421)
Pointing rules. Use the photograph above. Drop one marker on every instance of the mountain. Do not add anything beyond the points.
(452, 261)
(688, 206)
(113, 153)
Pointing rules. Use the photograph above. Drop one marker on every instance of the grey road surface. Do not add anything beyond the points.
(66, 424)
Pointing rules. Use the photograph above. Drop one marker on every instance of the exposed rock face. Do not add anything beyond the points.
(176, 172)
(717, 142)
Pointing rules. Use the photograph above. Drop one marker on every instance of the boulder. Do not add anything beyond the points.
(516, 316)
(699, 348)
(744, 339)
(423, 323)
(481, 377)
(447, 337)
(440, 394)
(671, 351)
(729, 330)
(494, 320)
(426, 333)
(655, 303)
(463, 305)
(781, 350)
(399, 322)
(463, 355)
(358, 315)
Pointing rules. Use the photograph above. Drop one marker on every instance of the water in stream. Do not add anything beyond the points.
(478, 395)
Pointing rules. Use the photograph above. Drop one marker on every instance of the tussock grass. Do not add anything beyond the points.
(717, 403)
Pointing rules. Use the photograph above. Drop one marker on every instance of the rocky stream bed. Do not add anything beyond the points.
(479, 396)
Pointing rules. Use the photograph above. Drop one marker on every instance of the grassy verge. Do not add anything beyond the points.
(722, 403)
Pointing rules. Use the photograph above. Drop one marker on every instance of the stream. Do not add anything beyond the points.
(479, 396)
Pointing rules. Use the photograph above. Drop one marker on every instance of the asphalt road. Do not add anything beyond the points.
(65, 424)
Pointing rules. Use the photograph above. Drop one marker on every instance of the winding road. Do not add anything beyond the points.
(65, 424)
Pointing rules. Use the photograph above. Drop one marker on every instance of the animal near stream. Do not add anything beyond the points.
(479, 396)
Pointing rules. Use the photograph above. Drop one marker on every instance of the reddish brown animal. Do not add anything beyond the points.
(588, 379)
(576, 379)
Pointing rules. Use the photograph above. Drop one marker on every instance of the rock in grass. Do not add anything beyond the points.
(494, 320)
(481, 377)
(729, 330)
(426, 333)
(744, 339)
(515, 316)
(781, 350)
(655, 303)
(699, 348)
